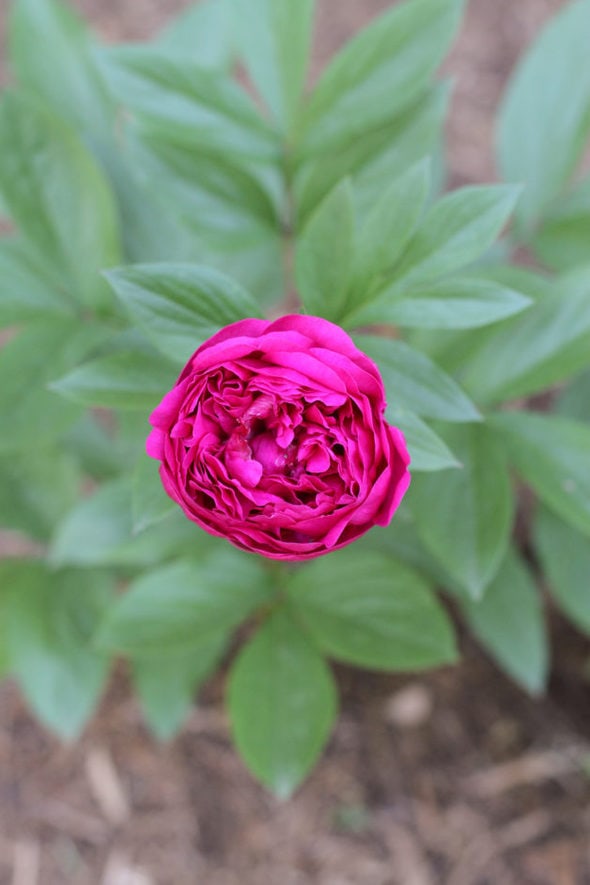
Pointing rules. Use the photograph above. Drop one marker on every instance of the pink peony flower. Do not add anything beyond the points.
(274, 438)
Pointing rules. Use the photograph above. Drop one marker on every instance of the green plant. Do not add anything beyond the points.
(154, 161)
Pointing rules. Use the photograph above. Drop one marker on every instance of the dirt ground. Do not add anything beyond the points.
(453, 778)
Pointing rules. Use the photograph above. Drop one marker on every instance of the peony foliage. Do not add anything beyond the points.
(337, 315)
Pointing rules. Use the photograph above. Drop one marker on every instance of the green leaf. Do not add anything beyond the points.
(414, 382)
(150, 502)
(51, 54)
(27, 291)
(202, 32)
(37, 490)
(427, 450)
(4, 660)
(574, 400)
(390, 224)
(274, 37)
(545, 115)
(58, 197)
(98, 531)
(50, 621)
(463, 303)
(546, 344)
(178, 306)
(552, 455)
(565, 558)
(458, 229)
(189, 104)
(372, 611)
(509, 623)
(30, 414)
(380, 71)
(94, 448)
(562, 240)
(282, 703)
(464, 517)
(324, 255)
(380, 155)
(172, 607)
(135, 379)
(167, 683)
(217, 197)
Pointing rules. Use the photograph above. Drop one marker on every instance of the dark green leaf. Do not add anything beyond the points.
(509, 623)
(180, 305)
(545, 115)
(188, 103)
(372, 611)
(128, 380)
(167, 683)
(58, 197)
(273, 37)
(414, 382)
(546, 344)
(380, 71)
(464, 517)
(173, 607)
(324, 255)
(552, 454)
(565, 557)
(282, 703)
(50, 621)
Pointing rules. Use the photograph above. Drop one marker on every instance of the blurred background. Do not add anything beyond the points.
(456, 777)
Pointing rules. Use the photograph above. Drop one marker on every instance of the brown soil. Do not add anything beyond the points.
(455, 777)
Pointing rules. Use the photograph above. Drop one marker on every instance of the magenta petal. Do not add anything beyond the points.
(274, 438)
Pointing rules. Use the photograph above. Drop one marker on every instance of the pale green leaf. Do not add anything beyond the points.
(58, 197)
(126, 380)
(553, 455)
(414, 382)
(150, 503)
(50, 620)
(565, 558)
(464, 517)
(390, 225)
(273, 37)
(546, 344)
(325, 253)
(545, 114)
(372, 611)
(462, 303)
(509, 623)
(178, 306)
(166, 684)
(458, 229)
(171, 607)
(282, 703)
(382, 70)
